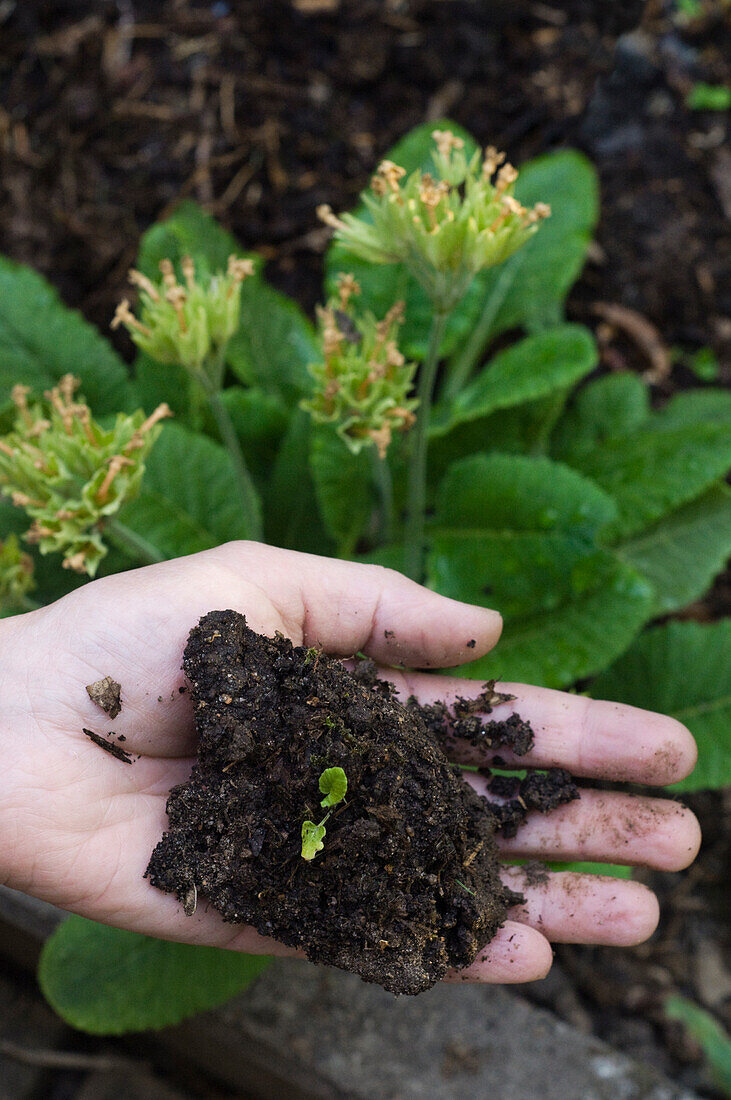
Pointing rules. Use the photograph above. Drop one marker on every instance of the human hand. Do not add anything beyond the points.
(77, 826)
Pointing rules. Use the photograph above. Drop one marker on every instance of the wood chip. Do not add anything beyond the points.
(106, 693)
(109, 746)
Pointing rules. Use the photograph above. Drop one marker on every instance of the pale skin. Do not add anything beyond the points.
(77, 826)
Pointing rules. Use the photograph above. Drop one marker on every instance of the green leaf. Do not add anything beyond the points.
(291, 514)
(576, 639)
(615, 870)
(41, 340)
(682, 553)
(108, 982)
(519, 430)
(275, 342)
(343, 486)
(682, 669)
(615, 405)
(707, 406)
(189, 499)
(158, 382)
(708, 1032)
(655, 470)
(333, 784)
(533, 368)
(517, 533)
(538, 277)
(312, 839)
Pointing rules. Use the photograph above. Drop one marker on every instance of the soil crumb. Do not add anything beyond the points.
(109, 746)
(106, 693)
(407, 884)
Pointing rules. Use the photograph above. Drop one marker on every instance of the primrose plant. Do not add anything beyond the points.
(333, 784)
(441, 416)
(444, 227)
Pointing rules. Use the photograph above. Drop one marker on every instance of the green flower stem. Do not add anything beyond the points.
(134, 544)
(247, 491)
(416, 490)
(384, 485)
(464, 362)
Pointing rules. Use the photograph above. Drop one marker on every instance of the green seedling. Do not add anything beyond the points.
(333, 784)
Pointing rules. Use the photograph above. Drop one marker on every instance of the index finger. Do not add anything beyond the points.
(590, 737)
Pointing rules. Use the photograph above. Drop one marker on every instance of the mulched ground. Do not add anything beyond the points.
(110, 112)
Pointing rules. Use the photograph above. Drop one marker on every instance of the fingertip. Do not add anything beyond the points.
(516, 953)
(679, 842)
(474, 630)
(641, 917)
(680, 754)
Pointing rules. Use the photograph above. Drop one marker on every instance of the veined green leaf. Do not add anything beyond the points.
(517, 534)
(533, 368)
(108, 982)
(651, 473)
(706, 405)
(577, 638)
(654, 463)
(41, 340)
(682, 553)
(189, 499)
(615, 405)
(554, 648)
(682, 669)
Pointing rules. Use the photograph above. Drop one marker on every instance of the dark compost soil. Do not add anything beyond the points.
(407, 885)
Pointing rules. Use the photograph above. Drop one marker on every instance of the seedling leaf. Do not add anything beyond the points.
(312, 837)
(333, 784)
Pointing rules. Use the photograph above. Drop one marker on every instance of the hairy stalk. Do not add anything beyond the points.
(134, 544)
(384, 485)
(464, 362)
(416, 490)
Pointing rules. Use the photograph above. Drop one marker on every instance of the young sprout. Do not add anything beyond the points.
(333, 784)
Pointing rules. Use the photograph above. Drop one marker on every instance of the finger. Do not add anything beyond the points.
(517, 953)
(133, 627)
(609, 827)
(590, 737)
(348, 607)
(576, 908)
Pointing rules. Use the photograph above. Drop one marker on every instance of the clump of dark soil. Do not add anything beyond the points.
(407, 884)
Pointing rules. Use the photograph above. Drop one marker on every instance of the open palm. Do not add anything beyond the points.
(77, 826)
